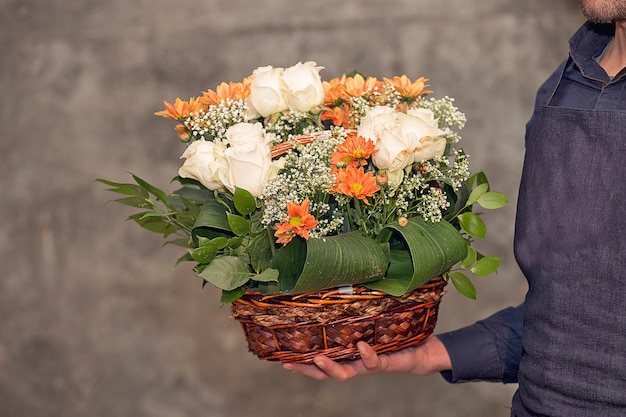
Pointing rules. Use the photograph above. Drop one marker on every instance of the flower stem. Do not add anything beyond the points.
(270, 237)
(359, 210)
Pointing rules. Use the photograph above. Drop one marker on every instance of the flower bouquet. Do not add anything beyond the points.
(326, 212)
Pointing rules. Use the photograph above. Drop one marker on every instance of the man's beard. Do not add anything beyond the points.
(603, 11)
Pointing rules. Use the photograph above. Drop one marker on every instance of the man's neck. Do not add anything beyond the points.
(614, 58)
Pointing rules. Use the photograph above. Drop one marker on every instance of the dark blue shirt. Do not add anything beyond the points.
(491, 349)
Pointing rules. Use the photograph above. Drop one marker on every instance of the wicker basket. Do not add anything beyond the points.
(296, 328)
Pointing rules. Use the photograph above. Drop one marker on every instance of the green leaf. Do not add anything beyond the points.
(473, 225)
(479, 178)
(205, 232)
(400, 265)
(156, 214)
(212, 216)
(218, 243)
(152, 189)
(235, 242)
(226, 273)
(188, 182)
(460, 199)
(192, 194)
(203, 254)
(207, 249)
(238, 225)
(185, 258)
(137, 202)
(469, 259)
(233, 295)
(476, 194)
(463, 284)
(260, 251)
(244, 201)
(154, 224)
(182, 242)
(493, 200)
(269, 275)
(124, 188)
(315, 264)
(433, 247)
(391, 286)
(192, 208)
(289, 260)
(486, 265)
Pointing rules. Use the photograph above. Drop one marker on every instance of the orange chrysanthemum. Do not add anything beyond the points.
(299, 224)
(334, 90)
(354, 182)
(180, 109)
(407, 88)
(225, 91)
(338, 115)
(354, 151)
(356, 86)
(183, 133)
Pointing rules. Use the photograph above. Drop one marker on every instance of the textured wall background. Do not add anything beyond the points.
(93, 319)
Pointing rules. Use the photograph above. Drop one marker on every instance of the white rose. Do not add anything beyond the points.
(250, 166)
(303, 86)
(429, 147)
(205, 163)
(242, 133)
(266, 91)
(395, 178)
(395, 150)
(423, 130)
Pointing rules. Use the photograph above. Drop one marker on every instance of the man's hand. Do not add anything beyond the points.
(426, 359)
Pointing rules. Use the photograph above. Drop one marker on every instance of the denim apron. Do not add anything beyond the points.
(570, 242)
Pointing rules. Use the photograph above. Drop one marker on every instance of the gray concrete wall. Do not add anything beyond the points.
(93, 319)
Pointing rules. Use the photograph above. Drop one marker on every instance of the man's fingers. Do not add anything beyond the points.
(325, 367)
(311, 371)
(371, 360)
(340, 372)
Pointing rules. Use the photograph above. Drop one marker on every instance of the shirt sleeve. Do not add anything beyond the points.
(489, 350)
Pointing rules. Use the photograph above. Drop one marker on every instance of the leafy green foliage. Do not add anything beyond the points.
(245, 202)
(230, 296)
(226, 272)
(427, 250)
(238, 224)
(472, 224)
(486, 266)
(161, 213)
(463, 284)
(233, 252)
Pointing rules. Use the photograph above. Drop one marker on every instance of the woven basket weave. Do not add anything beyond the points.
(296, 328)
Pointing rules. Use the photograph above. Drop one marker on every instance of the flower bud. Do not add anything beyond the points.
(382, 177)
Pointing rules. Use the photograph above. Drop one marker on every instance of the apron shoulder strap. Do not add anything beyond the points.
(547, 98)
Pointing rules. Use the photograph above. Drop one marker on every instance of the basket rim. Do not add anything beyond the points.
(336, 295)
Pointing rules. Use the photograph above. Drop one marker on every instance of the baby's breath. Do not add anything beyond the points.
(432, 204)
(460, 170)
(306, 174)
(448, 116)
(213, 123)
(290, 124)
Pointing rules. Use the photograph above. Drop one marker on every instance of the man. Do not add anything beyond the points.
(570, 243)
